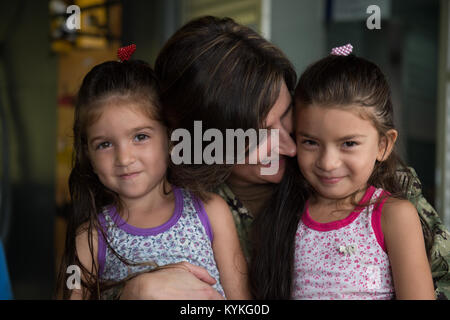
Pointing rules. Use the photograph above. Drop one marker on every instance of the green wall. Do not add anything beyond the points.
(28, 82)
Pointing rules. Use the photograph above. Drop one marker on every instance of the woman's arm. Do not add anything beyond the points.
(180, 281)
(227, 251)
(405, 246)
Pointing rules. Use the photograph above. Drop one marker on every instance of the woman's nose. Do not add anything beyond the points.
(287, 144)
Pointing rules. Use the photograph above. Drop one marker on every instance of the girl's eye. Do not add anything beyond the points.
(350, 144)
(309, 143)
(141, 137)
(103, 145)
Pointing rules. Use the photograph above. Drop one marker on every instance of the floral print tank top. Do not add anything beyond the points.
(186, 236)
(343, 259)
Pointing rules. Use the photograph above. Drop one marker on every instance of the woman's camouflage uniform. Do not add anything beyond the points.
(437, 238)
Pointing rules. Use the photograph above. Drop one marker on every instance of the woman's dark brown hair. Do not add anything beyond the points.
(331, 82)
(223, 74)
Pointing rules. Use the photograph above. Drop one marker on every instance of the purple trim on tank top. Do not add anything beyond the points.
(203, 217)
(121, 224)
(101, 254)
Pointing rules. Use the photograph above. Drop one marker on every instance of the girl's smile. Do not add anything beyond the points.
(128, 176)
(330, 180)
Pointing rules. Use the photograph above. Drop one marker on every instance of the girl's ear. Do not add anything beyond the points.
(386, 144)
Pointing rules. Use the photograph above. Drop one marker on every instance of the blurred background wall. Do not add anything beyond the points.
(28, 85)
(40, 71)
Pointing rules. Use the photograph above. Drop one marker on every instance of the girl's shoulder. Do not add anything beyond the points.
(398, 213)
(393, 206)
(84, 235)
(218, 212)
(215, 204)
(84, 230)
(211, 201)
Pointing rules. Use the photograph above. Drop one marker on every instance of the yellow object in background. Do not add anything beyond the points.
(94, 25)
(99, 23)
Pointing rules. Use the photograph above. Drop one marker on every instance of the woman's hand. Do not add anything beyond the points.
(180, 281)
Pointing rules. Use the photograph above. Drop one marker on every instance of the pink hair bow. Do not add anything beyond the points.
(342, 51)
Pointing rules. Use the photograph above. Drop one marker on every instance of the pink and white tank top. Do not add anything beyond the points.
(343, 259)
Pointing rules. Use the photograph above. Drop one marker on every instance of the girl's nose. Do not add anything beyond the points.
(124, 156)
(328, 160)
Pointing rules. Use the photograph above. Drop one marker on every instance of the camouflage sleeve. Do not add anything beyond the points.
(242, 218)
(437, 237)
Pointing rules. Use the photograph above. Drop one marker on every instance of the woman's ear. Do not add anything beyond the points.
(386, 144)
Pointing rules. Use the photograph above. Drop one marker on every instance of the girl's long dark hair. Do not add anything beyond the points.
(272, 237)
(333, 81)
(133, 80)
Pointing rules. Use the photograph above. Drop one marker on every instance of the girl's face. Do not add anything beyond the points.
(336, 149)
(127, 149)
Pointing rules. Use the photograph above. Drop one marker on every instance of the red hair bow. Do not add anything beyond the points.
(125, 53)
